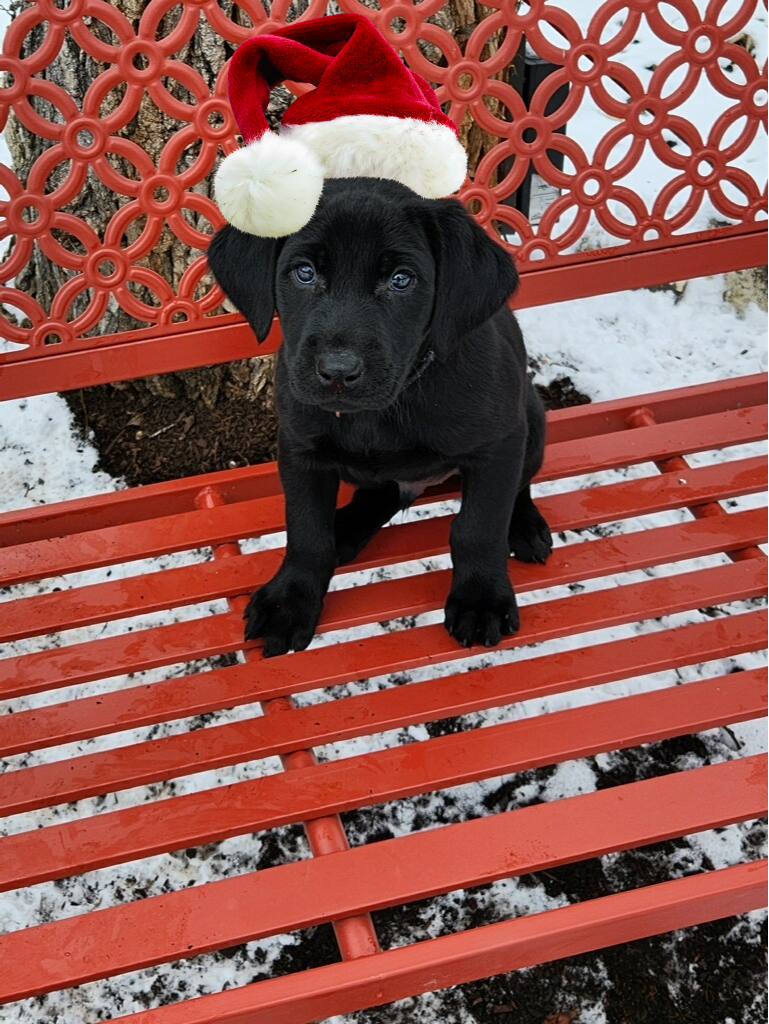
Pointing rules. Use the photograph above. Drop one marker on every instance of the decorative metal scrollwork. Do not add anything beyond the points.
(140, 63)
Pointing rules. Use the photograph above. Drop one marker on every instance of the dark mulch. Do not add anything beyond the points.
(561, 393)
(703, 975)
(143, 437)
(714, 973)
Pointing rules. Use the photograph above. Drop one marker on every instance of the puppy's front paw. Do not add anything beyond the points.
(284, 612)
(481, 612)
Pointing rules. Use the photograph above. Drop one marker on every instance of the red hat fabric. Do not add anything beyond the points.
(368, 115)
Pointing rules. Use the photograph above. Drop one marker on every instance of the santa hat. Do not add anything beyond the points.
(368, 116)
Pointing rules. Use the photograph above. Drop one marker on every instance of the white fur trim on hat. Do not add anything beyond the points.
(425, 156)
(270, 187)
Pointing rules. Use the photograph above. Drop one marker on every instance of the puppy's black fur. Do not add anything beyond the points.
(400, 364)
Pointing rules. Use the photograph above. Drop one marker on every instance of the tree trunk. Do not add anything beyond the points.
(203, 419)
(459, 18)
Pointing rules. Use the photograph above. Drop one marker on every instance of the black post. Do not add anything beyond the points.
(526, 73)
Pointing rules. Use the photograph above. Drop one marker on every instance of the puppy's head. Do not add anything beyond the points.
(374, 279)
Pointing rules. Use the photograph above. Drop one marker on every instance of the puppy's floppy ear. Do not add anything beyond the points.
(244, 266)
(474, 275)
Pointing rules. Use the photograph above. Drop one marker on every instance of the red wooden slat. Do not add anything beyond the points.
(476, 953)
(124, 543)
(666, 406)
(72, 847)
(201, 637)
(170, 588)
(651, 444)
(616, 270)
(304, 893)
(134, 504)
(390, 652)
(125, 359)
(189, 753)
(127, 652)
(137, 595)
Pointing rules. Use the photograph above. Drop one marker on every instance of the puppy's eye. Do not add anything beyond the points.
(304, 273)
(401, 280)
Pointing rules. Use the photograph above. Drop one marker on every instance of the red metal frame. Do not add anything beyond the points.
(510, 945)
(454, 857)
(656, 242)
(655, 239)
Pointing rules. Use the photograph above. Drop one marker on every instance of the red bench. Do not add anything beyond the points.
(217, 511)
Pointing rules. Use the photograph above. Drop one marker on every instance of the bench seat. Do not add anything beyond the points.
(696, 552)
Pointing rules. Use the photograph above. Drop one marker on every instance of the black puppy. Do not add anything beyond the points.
(400, 364)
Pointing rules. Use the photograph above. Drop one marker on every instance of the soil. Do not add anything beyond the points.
(711, 974)
(145, 438)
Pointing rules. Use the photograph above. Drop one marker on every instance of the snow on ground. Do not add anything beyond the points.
(610, 346)
(636, 342)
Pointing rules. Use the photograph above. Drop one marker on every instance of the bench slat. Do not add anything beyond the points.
(304, 893)
(573, 510)
(196, 818)
(247, 519)
(389, 652)
(161, 349)
(134, 505)
(666, 406)
(125, 543)
(201, 637)
(654, 443)
(476, 953)
(189, 753)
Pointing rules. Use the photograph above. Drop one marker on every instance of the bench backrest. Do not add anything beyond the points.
(604, 227)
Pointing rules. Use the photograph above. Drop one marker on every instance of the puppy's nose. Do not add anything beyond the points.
(339, 367)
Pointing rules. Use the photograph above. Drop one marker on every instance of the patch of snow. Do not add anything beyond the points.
(41, 459)
(619, 344)
(594, 1014)
(570, 778)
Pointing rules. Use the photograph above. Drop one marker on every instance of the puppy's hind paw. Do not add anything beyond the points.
(529, 536)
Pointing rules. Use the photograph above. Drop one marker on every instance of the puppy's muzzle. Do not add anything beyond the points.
(339, 370)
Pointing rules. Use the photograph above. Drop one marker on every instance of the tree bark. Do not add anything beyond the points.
(202, 419)
(459, 18)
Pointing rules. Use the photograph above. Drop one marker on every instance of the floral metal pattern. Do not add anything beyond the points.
(87, 135)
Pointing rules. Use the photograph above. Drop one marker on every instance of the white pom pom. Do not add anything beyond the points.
(427, 157)
(270, 187)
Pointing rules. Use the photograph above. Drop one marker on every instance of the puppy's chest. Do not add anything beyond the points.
(376, 464)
